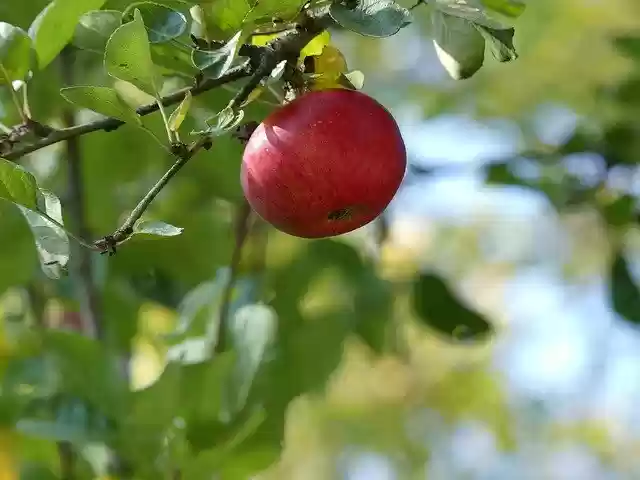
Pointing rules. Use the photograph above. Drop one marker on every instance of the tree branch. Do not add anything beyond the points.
(87, 295)
(243, 215)
(109, 124)
(125, 231)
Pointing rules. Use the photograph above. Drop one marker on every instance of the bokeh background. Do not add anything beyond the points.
(524, 181)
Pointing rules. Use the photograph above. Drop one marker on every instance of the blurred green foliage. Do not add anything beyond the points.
(335, 342)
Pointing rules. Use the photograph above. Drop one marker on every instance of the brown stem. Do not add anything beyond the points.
(109, 124)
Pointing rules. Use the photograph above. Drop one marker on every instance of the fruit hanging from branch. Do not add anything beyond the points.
(324, 164)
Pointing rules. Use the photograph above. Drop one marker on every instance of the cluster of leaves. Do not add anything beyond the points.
(212, 413)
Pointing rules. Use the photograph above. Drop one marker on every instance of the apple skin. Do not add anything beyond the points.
(325, 164)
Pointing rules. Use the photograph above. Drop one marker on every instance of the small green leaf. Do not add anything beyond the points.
(94, 29)
(104, 100)
(221, 18)
(623, 291)
(459, 45)
(216, 63)
(198, 311)
(17, 185)
(253, 330)
(225, 120)
(372, 18)
(500, 42)
(128, 57)
(268, 9)
(162, 23)
(15, 53)
(156, 228)
(52, 242)
(180, 113)
(439, 308)
(55, 25)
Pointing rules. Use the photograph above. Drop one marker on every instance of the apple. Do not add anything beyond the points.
(324, 164)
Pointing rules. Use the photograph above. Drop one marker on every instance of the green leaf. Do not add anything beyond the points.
(52, 242)
(253, 331)
(94, 29)
(17, 185)
(508, 8)
(268, 9)
(215, 63)
(459, 45)
(180, 113)
(473, 11)
(162, 23)
(86, 369)
(128, 57)
(372, 18)
(500, 42)
(221, 18)
(237, 456)
(15, 53)
(623, 291)
(161, 229)
(55, 25)
(209, 379)
(70, 421)
(104, 100)
(198, 311)
(439, 308)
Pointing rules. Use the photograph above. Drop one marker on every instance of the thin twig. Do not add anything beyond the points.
(109, 124)
(124, 232)
(243, 215)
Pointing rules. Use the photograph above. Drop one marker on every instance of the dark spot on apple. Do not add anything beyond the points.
(340, 214)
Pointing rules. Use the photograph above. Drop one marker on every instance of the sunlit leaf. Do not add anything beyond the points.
(128, 57)
(373, 18)
(268, 9)
(52, 242)
(180, 113)
(459, 45)
(161, 229)
(15, 53)
(17, 185)
(104, 100)
(55, 25)
(500, 42)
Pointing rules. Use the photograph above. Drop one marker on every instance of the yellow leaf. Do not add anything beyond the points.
(315, 46)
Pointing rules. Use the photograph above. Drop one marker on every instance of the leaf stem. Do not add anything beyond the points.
(165, 119)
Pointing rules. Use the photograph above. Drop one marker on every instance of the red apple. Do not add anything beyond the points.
(325, 164)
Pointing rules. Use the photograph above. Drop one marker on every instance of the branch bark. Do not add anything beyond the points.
(108, 124)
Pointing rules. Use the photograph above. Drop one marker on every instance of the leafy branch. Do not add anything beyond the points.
(110, 123)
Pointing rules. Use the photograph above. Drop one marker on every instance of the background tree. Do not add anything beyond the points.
(380, 348)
